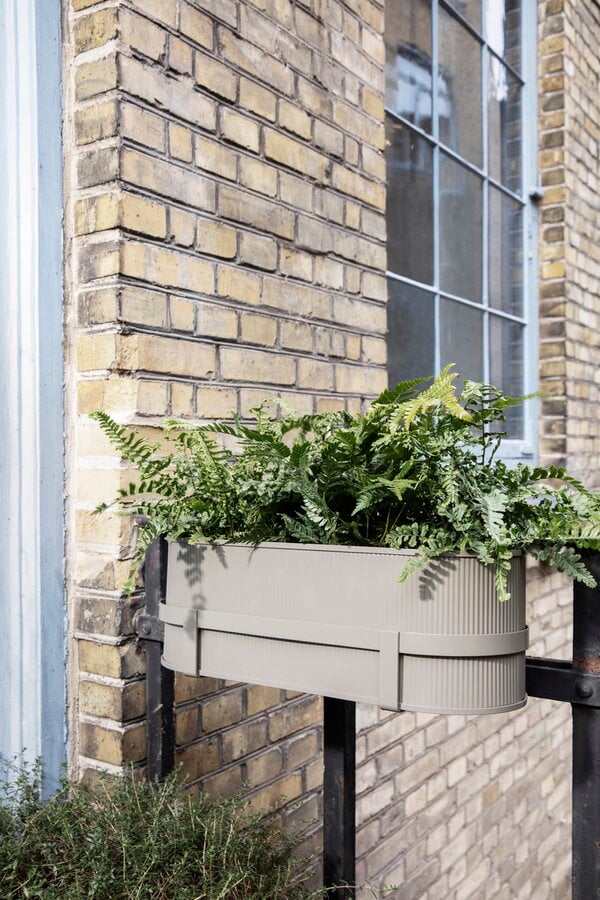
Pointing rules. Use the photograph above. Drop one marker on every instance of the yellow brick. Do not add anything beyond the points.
(225, 783)
(264, 767)
(142, 35)
(260, 698)
(222, 711)
(174, 95)
(296, 335)
(296, 191)
(216, 321)
(353, 343)
(294, 119)
(196, 26)
(110, 529)
(214, 76)
(143, 126)
(294, 718)
(199, 759)
(296, 299)
(216, 403)
(97, 166)
(257, 99)
(182, 227)
(258, 251)
(315, 375)
(180, 142)
(162, 177)
(96, 351)
(349, 182)
(214, 157)
(96, 77)
(258, 176)
(111, 702)
(360, 380)
(352, 213)
(296, 263)
(182, 314)
(253, 365)
(262, 214)
(216, 239)
(295, 155)
(374, 350)
(98, 260)
(181, 56)
(259, 329)
(96, 122)
(329, 272)
(240, 130)
(97, 307)
(94, 29)
(239, 285)
(96, 214)
(144, 216)
(352, 279)
(358, 314)
(182, 399)
(163, 10)
(176, 357)
(253, 60)
(553, 270)
(144, 307)
(123, 661)
(153, 398)
(186, 725)
(117, 747)
(166, 267)
(284, 790)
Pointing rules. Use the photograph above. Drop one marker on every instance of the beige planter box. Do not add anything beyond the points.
(334, 621)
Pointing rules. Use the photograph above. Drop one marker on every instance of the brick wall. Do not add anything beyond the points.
(226, 242)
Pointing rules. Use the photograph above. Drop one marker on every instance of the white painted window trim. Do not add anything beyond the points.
(32, 644)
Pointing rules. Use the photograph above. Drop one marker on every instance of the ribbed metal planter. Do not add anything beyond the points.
(335, 621)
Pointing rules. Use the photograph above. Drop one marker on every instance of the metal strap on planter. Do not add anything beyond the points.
(389, 644)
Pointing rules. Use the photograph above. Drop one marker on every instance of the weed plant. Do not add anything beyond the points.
(125, 839)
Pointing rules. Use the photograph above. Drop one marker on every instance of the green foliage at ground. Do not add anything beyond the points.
(124, 839)
(419, 469)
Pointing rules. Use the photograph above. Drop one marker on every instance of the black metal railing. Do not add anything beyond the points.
(576, 682)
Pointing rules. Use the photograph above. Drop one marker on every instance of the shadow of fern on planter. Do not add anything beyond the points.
(123, 838)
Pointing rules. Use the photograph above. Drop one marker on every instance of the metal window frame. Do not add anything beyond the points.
(512, 449)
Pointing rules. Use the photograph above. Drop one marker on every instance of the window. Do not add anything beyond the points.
(460, 164)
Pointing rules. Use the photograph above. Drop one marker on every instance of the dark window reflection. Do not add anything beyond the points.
(506, 367)
(504, 30)
(408, 77)
(461, 218)
(504, 123)
(505, 252)
(411, 332)
(461, 338)
(409, 202)
(469, 10)
(459, 89)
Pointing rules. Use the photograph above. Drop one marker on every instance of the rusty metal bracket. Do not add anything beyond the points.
(149, 628)
(557, 679)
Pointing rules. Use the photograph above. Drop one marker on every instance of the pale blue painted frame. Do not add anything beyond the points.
(32, 591)
(525, 449)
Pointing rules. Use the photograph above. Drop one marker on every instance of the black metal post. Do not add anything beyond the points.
(160, 682)
(339, 793)
(586, 738)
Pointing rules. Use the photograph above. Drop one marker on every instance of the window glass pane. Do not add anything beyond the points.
(504, 120)
(409, 202)
(461, 338)
(459, 89)
(469, 10)
(504, 30)
(506, 367)
(505, 253)
(408, 76)
(411, 334)
(460, 230)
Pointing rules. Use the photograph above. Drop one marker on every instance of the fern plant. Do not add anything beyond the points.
(418, 469)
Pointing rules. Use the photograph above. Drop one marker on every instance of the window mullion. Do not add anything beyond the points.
(486, 207)
(436, 179)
